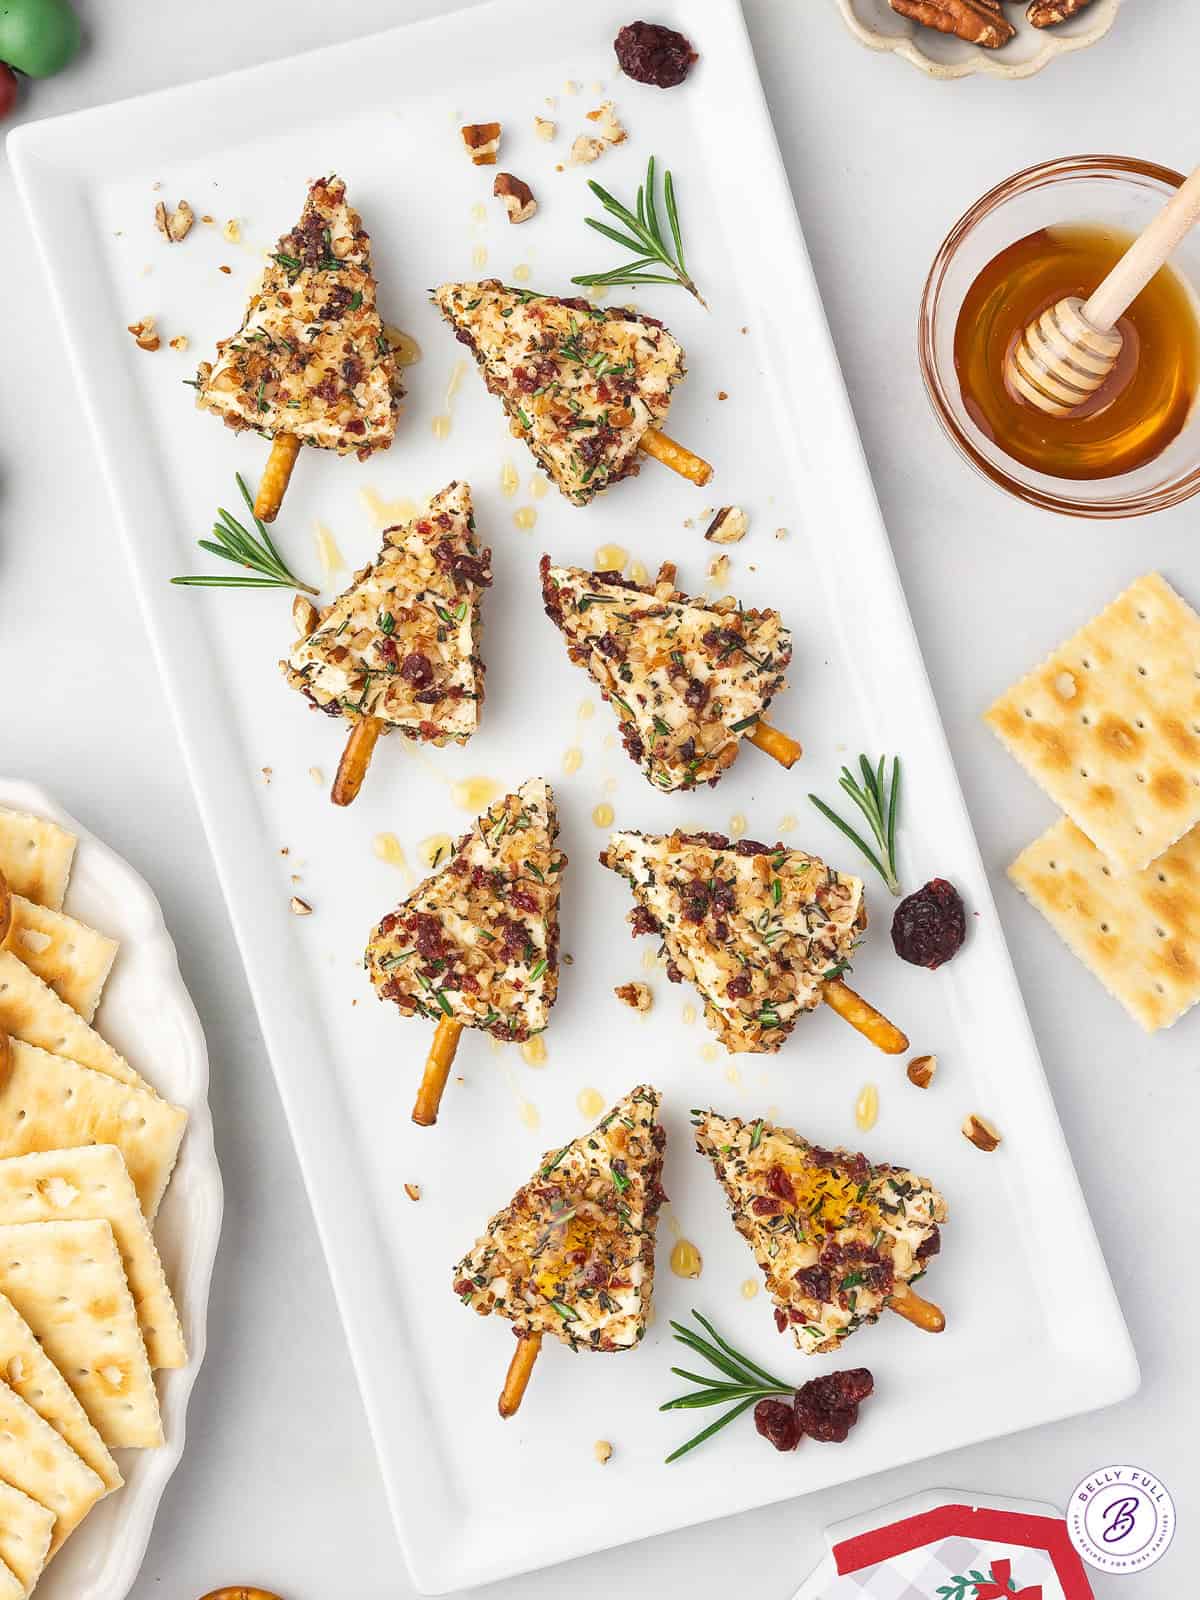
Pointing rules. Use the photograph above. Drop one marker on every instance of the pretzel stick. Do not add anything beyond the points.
(5, 909)
(437, 1070)
(922, 1314)
(277, 473)
(520, 1369)
(775, 743)
(356, 758)
(872, 1024)
(675, 456)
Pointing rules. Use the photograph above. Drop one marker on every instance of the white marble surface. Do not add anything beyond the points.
(279, 1486)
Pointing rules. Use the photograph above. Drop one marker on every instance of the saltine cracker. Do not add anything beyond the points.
(30, 1010)
(1138, 932)
(30, 1373)
(67, 1281)
(1109, 724)
(49, 1102)
(26, 1529)
(35, 1460)
(72, 958)
(35, 857)
(85, 1184)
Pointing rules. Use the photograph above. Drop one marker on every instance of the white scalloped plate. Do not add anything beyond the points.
(939, 55)
(148, 1015)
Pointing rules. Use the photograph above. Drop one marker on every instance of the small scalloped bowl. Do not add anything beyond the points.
(876, 25)
(1114, 191)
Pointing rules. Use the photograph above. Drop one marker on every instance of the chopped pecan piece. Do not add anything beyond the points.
(727, 527)
(635, 995)
(976, 21)
(482, 140)
(144, 335)
(516, 195)
(982, 1134)
(174, 225)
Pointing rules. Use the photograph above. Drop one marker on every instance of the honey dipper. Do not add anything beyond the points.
(1067, 353)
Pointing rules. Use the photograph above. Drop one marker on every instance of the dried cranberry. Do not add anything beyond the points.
(780, 1184)
(738, 988)
(649, 53)
(751, 847)
(642, 921)
(429, 937)
(827, 1407)
(714, 841)
(673, 973)
(610, 647)
(776, 1421)
(781, 1320)
(417, 670)
(695, 696)
(930, 925)
(930, 1246)
(695, 902)
(815, 1283)
(523, 900)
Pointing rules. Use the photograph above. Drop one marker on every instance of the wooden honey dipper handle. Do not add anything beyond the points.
(1145, 256)
(1067, 353)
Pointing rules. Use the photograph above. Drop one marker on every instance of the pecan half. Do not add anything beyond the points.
(1045, 13)
(976, 21)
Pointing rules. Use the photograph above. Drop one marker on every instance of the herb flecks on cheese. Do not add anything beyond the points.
(478, 941)
(402, 642)
(833, 1234)
(580, 384)
(687, 679)
(572, 1254)
(756, 928)
(311, 358)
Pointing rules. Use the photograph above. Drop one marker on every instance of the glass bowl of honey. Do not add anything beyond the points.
(1048, 232)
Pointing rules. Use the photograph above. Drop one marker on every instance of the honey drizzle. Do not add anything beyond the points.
(1142, 406)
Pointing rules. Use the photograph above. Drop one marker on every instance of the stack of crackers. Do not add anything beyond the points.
(1109, 726)
(86, 1150)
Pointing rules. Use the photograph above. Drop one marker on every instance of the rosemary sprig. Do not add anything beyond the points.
(742, 1384)
(234, 542)
(878, 798)
(643, 235)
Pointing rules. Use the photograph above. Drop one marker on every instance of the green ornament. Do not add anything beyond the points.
(38, 37)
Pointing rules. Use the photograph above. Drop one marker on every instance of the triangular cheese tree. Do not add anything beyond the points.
(757, 928)
(572, 1254)
(402, 642)
(837, 1238)
(688, 680)
(478, 941)
(311, 359)
(581, 384)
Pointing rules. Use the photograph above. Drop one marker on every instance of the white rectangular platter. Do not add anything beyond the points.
(474, 1498)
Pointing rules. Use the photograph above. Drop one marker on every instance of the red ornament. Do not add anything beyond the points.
(999, 1589)
(8, 89)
